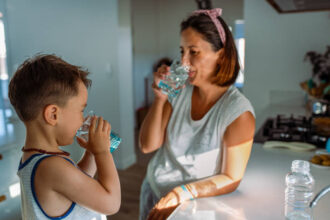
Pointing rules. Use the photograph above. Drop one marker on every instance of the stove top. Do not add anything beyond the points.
(290, 128)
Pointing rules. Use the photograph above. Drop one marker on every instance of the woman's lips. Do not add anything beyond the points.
(191, 74)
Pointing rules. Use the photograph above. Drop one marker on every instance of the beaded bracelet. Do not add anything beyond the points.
(186, 190)
(192, 191)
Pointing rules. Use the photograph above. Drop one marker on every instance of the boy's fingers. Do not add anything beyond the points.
(100, 124)
(105, 126)
(93, 124)
(109, 130)
(81, 142)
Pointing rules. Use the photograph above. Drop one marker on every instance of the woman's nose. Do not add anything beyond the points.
(185, 60)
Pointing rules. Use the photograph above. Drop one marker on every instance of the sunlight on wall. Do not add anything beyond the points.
(240, 45)
(5, 110)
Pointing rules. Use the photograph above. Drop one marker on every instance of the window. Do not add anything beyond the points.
(240, 45)
(5, 110)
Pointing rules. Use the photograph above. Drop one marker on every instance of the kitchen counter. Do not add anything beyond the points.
(261, 192)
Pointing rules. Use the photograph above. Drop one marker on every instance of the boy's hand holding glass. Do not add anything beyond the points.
(98, 136)
(95, 128)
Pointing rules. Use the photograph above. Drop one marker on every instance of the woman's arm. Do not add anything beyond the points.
(154, 125)
(238, 140)
(231, 176)
(153, 128)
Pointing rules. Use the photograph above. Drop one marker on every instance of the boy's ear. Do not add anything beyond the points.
(51, 114)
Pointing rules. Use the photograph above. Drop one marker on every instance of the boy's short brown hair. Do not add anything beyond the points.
(41, 81)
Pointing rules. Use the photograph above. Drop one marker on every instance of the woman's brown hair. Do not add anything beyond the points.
(229, 67)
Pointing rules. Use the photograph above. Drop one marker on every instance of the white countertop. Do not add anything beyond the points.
(261, 192)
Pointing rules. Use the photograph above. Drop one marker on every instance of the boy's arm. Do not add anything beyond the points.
(101, 194)
(87, 164)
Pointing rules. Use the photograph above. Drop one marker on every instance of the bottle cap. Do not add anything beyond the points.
(300, 166)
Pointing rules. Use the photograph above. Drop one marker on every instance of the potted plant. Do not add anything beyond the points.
(318, 85)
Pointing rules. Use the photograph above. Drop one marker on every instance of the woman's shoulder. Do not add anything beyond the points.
(236, 98)
(235, 104)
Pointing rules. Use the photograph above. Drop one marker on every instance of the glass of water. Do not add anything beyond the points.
(83, 132)
(173, 83)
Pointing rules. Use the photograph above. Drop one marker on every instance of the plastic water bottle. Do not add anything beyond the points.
(299, 191)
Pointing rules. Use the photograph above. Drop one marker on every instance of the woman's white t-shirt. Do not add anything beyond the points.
(192, 148)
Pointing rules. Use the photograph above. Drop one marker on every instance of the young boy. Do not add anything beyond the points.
(49, 96)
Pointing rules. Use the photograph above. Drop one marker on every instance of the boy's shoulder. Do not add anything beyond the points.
(56, 168)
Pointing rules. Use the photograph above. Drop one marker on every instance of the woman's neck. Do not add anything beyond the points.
(209, 93)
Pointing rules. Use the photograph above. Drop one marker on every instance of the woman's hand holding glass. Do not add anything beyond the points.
(98, 136)
(172, 79)
(158, 76)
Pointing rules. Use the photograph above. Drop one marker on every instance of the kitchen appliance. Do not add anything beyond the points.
(291, 129)
(321, 108)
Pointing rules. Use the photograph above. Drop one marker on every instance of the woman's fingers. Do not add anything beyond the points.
(151, 214)
(162, 72)
(181, 87)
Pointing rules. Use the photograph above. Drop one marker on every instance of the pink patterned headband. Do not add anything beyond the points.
(214, 14)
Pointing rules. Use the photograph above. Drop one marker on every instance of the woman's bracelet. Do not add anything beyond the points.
(187, 191)
(192, 190)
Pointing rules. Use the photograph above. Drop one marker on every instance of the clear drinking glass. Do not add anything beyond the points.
(83, 132)
(172, 84)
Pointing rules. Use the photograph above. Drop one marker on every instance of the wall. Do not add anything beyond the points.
(126, 152)
(83, 33)
(156, 33)
(275, 49)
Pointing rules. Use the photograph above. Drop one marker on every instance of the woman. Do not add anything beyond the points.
(204, 136)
